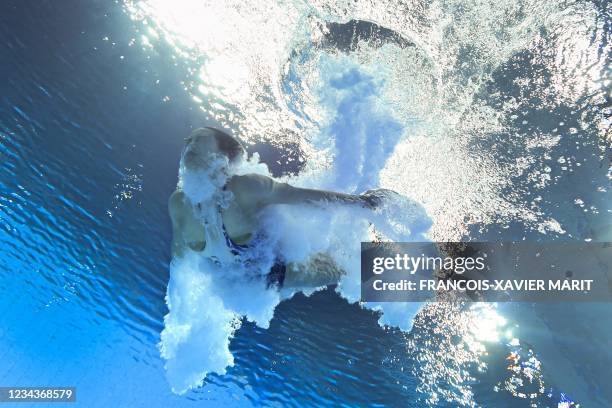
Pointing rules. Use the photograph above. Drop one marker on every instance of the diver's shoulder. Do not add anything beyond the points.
(250, 180)
(178, 199)
(177, 196)
(250, 187)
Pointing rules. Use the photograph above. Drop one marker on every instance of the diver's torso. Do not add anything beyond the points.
(239, 222)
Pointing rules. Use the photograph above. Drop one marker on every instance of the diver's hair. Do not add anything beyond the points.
(228, 145)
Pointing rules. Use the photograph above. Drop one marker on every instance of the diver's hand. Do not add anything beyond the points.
(374, 198)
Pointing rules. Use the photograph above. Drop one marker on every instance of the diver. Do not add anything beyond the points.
(240, 219)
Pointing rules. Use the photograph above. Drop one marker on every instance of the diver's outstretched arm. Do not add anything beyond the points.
(287, 194)
(265, 191)
(284, 193)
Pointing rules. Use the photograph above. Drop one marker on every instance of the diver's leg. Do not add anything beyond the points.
(320, 270)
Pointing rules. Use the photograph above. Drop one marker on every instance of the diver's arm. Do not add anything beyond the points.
(176, 217)
(283, 193)
(265, 191)
(186, 229)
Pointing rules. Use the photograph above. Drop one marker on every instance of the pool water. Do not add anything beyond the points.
(494, 118)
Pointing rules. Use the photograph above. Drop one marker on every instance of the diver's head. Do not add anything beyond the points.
(206, 145)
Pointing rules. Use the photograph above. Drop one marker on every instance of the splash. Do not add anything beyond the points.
(258, 70)
(363, 134)
(435, 108)
(209, 293)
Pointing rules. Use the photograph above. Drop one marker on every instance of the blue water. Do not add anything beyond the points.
(90, 135)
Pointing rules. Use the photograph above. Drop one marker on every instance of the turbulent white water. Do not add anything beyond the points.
(262, 70)
(404, 111)
(210, 292)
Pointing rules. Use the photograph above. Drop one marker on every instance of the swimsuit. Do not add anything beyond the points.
(275, 277)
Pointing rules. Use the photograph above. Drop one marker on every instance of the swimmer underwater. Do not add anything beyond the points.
(238, 218)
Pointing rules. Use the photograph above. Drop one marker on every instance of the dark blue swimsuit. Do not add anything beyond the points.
(275, 277)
